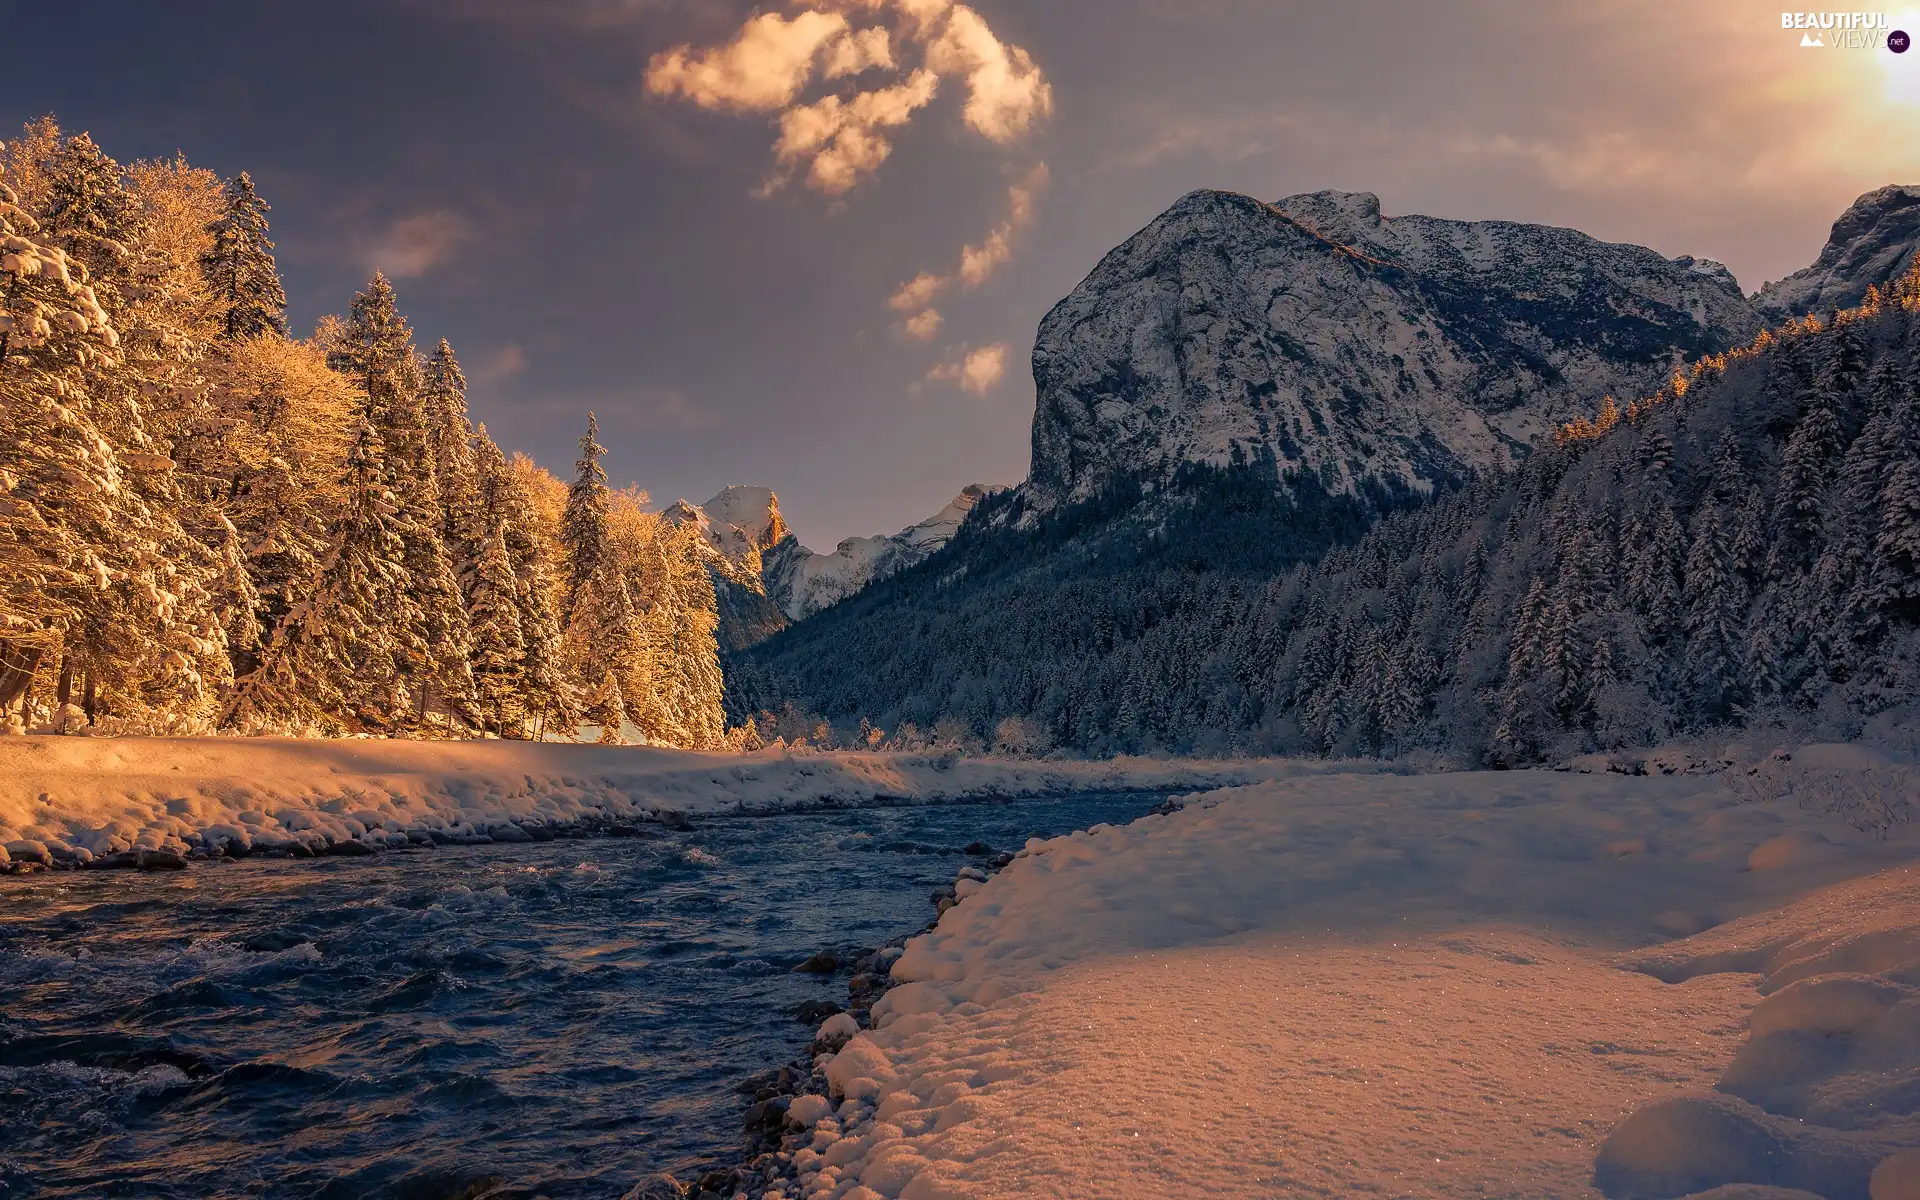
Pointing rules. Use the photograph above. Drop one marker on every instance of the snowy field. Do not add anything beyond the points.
(156, 799)
(1448, 985)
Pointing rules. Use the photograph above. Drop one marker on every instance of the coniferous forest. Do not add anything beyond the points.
(209, 524)
(1743, 545)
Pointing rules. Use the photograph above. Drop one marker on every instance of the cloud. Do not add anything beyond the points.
(416, 245)
(923, 325)
(976, 371)
(1006, 93)
(917, 292)
(763, 69)
(836, 141)
(843, 138)
(977, 263)
(504, 363)
(864, 50)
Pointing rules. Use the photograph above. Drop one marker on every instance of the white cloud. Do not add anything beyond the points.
(976, 371)
(764, 68)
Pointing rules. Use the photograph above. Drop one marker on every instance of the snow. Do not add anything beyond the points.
(744, 526)
(1445, 985)
(82, 798)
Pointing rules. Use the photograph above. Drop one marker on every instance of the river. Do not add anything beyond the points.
(548, 1020)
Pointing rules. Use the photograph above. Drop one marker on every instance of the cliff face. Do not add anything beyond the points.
(1356, 348)
(1873, 242)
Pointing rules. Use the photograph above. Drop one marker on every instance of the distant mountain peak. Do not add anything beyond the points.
(767, 578)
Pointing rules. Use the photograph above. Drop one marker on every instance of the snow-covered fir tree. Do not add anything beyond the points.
(202, 519)
(240, 268)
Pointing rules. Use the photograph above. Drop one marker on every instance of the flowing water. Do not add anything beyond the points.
(542, 1020)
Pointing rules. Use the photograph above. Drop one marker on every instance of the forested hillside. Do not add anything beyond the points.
(1745, 541)
(206, 523)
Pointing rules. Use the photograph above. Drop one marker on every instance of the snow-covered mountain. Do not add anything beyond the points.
(767, 578)
(1352, 347)
(1873, 242)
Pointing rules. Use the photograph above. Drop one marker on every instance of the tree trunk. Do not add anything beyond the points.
(90, 698)
(17, 666)
(63, 691)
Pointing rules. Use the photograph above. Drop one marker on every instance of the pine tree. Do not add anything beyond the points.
(240, 268)
(583, 530)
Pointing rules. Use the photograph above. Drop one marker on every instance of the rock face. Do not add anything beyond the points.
(766, 579)
(1873, 242)
(1359, 349)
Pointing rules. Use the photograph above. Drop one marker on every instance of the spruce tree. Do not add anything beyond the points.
(583, 529)
(92, 216)
(1715, 615)
(240, 269)
(378, 352)
(450, 456)
(605, 636)
(337, 659)
(498, 645)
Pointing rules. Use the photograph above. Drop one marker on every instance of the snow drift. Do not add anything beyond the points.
(1346, 985)
(74, 800)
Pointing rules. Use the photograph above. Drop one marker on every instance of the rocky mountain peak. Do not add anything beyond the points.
(1336, 343)
(1873, 242)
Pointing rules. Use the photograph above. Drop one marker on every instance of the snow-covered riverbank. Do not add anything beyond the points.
(1448, 985)
(154, 800)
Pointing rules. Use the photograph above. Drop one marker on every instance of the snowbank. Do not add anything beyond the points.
(1383, 985)
(153, 800)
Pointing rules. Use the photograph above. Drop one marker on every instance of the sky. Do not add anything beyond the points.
(806, 244)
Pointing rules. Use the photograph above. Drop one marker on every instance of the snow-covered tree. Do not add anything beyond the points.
(583, 530)
(240, 268)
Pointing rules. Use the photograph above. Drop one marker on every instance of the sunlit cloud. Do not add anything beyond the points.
(977, 263)
(917, 292)
(417, 245)
(836, 141)
(501, 364)
(976, 371)
(924, 324)
(763, 69)
(1006, 92)
(841, 140)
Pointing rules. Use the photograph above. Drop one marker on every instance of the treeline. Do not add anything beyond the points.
(206, 523)
(1065, 630)
(1744, 545)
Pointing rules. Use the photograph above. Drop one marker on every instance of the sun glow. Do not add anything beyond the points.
(1902, 71)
